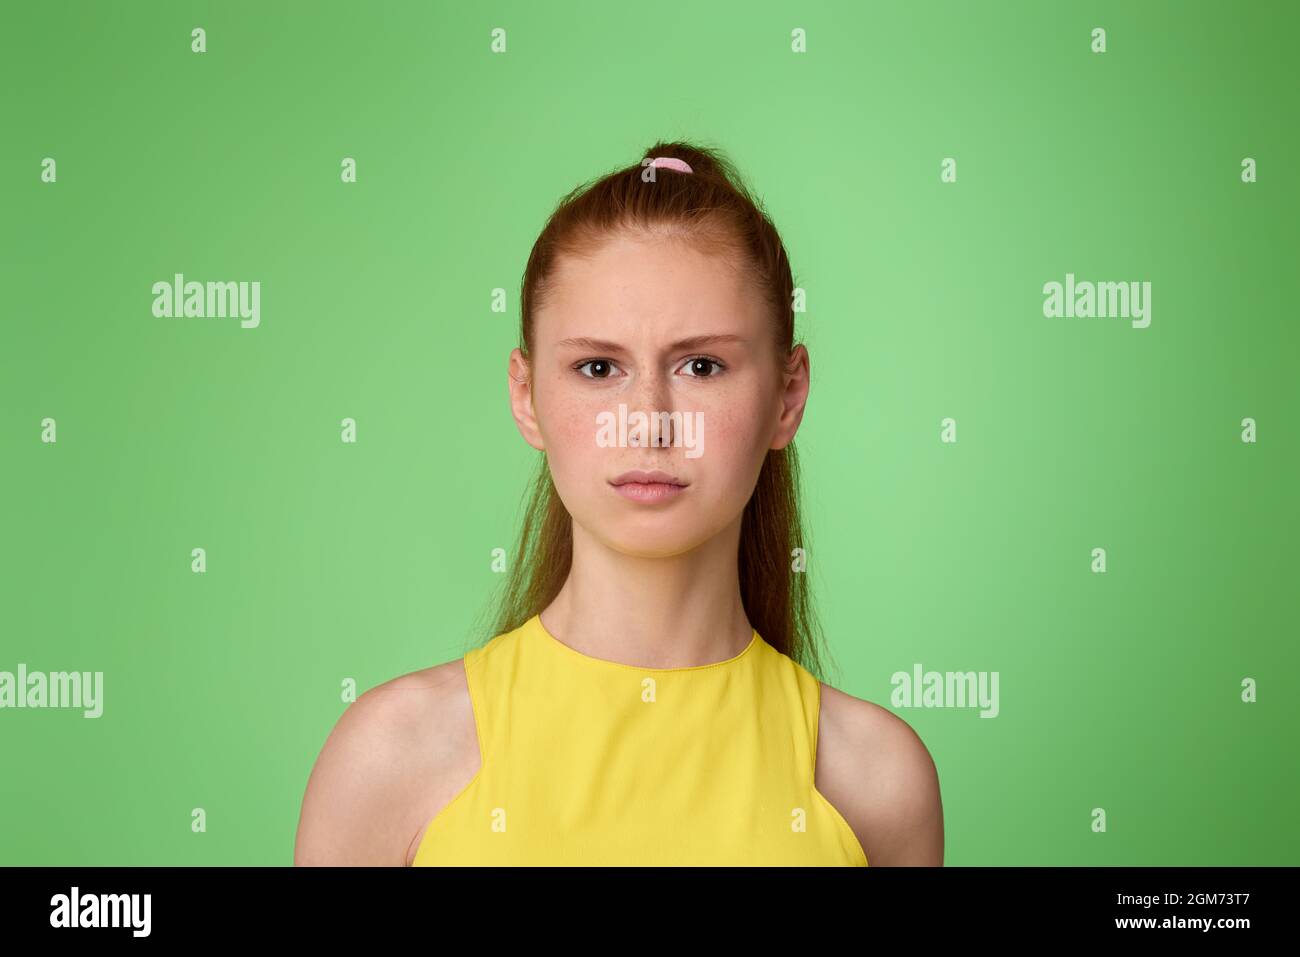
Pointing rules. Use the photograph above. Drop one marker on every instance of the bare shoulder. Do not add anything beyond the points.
(394, 757)
(875, 769)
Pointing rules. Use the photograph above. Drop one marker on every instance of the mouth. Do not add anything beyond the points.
(654, 486)
(637, 477)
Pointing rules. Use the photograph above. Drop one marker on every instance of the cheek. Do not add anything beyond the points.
(738, 423)
(733, 450)
(568, 425)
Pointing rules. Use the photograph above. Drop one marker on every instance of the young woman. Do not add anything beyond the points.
(648, 693)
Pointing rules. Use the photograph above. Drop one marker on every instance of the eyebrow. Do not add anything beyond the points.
(692, 342)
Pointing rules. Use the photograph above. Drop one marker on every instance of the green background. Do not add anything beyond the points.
(328, 561)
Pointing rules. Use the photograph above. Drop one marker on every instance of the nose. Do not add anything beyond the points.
(653, 394)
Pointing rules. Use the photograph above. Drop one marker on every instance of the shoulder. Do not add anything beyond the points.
(879, 774)
(391, 756)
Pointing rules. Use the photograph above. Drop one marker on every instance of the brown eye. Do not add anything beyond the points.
(699, 367)
(603, 364)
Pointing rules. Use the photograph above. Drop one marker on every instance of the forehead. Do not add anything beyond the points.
(646, 287)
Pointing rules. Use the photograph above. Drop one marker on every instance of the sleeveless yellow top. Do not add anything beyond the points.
(592, 762)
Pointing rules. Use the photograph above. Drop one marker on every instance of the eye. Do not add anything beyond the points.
(605, 363)
(603, 368)
(696, 361)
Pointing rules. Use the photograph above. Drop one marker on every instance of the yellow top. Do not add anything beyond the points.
(592, 762)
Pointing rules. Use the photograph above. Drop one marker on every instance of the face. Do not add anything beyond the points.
(625, 328)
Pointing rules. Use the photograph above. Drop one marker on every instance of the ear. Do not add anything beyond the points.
(795, 379)
(520, 380)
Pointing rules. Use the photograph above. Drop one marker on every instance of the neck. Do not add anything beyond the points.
(671, 612)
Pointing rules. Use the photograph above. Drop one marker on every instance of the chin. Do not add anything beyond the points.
(654, 536)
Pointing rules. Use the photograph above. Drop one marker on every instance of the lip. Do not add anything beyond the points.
(653, 486)
(655, 477)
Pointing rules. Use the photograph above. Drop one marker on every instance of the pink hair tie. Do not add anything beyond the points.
(669, 162)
